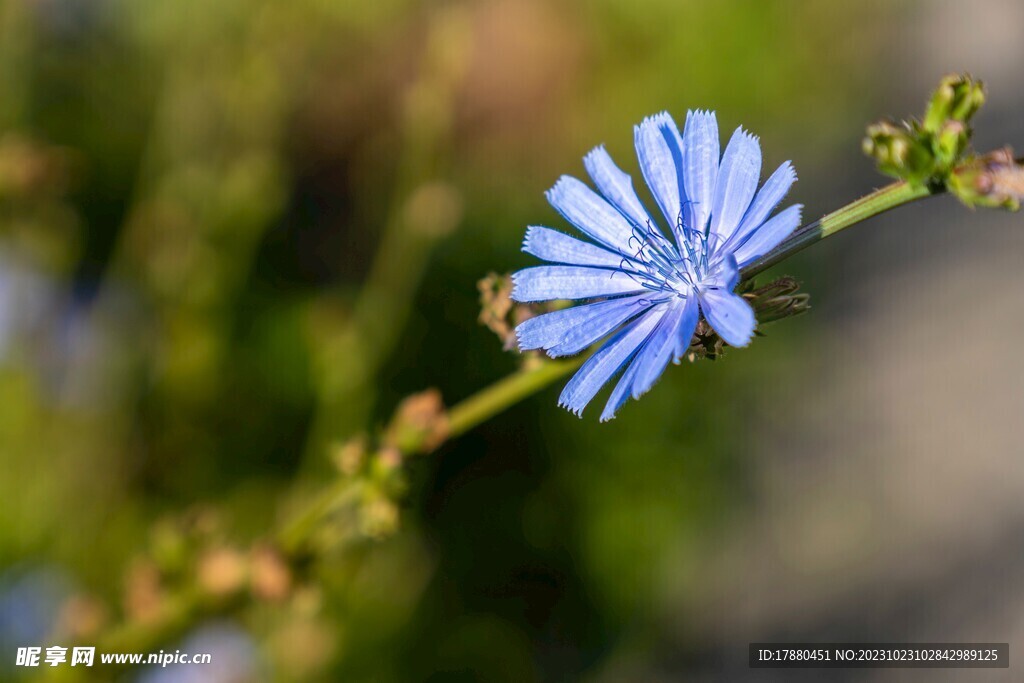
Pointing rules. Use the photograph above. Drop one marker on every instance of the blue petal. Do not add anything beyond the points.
(659, 150)
(659, 349)
(589, 212)
(737, 183)
(771, 194)
(620, 393)
(700, 166)
(650, 361)
(571, 330)
(547, 283)
(769, 235)
(654, 355)
(724, 273)
(729, 315)
(616, 186)
(684, 333)
(551, 245)
(608, 360)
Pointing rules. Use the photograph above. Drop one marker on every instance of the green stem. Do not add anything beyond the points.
(879, 201)
(505, 393)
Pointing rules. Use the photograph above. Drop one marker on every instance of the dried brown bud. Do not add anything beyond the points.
(221, 571)
(496, 306)
(81, 617)
(143, 592)
(350, 456)
(420, 423)
(269, 575)
(993, 180)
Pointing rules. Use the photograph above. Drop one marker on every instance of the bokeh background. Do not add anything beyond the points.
(234, 234)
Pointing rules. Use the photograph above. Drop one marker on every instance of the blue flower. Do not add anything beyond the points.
(652, 286)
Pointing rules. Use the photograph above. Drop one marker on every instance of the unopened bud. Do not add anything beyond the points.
(925, 153)
(898, 152)
(957, 98)
(951, 142)
(777, 300)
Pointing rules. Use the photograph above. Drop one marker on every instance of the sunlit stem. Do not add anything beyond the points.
(879, 201)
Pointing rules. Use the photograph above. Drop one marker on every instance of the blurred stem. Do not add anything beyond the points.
(297, 536)
(879, 201)
(17, 35)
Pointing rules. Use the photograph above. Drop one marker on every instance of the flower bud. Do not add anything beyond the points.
(957, 98)
(925, 153)
(950, 143)
(898, 152)
(777, 300)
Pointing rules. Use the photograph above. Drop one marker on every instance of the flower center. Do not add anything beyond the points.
(666, 267)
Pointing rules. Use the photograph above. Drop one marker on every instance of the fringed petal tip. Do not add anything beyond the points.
(514, 295)
(552, 192)
(659, 119)
(526, 240)
(577, 411)
(518, 332)
(743, 132)
(788, 168)
(707, 114)
(593, 154)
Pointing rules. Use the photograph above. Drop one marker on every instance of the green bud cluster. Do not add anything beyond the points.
(935, 152)
(926, 152)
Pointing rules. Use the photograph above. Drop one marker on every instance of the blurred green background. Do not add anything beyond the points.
(234, 234)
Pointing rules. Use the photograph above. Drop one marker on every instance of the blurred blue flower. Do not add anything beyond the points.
(31, 597)
(653, 287)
